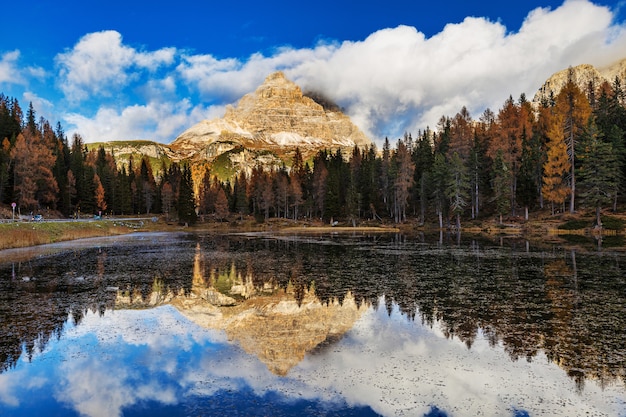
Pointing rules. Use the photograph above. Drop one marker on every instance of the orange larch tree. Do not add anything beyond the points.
(512, 121)
(99, 196)
(573, 109)
(557, 165)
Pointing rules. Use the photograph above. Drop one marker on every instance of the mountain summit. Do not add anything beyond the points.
(278, 118)
(584, 76)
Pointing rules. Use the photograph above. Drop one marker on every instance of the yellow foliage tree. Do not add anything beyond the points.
(555, 188)
(572, 110)
(99, 194)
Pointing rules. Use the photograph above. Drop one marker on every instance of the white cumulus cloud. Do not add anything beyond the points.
(100, 64)
(159, 121)
(399, 80)
(398, 73)
(8, 68)
(395, 80)
(11, 72)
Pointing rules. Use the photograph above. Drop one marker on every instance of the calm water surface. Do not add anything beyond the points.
(200, 325)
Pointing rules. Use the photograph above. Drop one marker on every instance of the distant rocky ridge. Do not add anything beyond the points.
(583, 75)
(123, 150)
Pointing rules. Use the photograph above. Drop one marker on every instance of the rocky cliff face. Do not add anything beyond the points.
(277, 117)
(583, 75)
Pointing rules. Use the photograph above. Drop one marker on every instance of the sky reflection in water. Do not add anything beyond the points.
(127, 360)
(146, 362)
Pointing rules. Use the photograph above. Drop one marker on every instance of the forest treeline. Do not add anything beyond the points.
(568, 152)
(40, 169)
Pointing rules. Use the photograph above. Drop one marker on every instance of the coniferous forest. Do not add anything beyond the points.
(566, 154)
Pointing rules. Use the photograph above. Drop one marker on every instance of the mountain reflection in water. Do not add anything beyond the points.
(355, 324)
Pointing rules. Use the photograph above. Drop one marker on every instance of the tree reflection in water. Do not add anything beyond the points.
(570, 305)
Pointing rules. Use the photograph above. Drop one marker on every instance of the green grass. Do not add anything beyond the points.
(608, 222)
(119, 143)
(23, 234)
(577, 224)
(613, 223)
(222, 167)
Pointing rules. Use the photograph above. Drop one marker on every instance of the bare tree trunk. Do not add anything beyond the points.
(572, 160)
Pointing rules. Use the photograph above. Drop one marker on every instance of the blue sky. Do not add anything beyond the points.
(119, 70)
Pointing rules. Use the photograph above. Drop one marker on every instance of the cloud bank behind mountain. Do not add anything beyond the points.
(394, 81)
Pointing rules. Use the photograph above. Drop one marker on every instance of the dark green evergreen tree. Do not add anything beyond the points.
(439, 179)
(457, 189)
(502, 178)
(186, 200)
(529, 178)
(423, 159)
(598, 173)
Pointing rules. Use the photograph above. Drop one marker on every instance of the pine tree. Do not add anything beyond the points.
(423, 161)
(221, 204)
(599, 171)
(77, 166)
(353, 194)
(206, 199)
(242, 204)
(440, 175)
(479, 164)
(528, 181)
(61, 166)
(266, 194)
(610, 118)
(368, 182)
(123, 196)
(336, 185)
(501, 184)
(457, 189)
(167, 199)
(107, 170)
(385, 174)
(573, 109)
(281, 192)
(461, 135)
(70, 189)
(319, 184)
(403, 181)
(31, 122)
(186, 201)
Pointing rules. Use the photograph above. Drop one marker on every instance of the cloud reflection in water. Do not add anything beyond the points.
(129, 359)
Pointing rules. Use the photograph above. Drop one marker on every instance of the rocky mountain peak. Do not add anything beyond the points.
(278, 86)
(276, 118)
(583, 75)
(276, 105)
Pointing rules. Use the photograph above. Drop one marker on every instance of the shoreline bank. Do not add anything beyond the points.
(26, 234)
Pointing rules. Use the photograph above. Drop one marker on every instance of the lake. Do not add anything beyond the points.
(184, 324)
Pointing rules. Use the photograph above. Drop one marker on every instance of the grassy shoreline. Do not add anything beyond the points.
(25, 234)
(544, 230)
